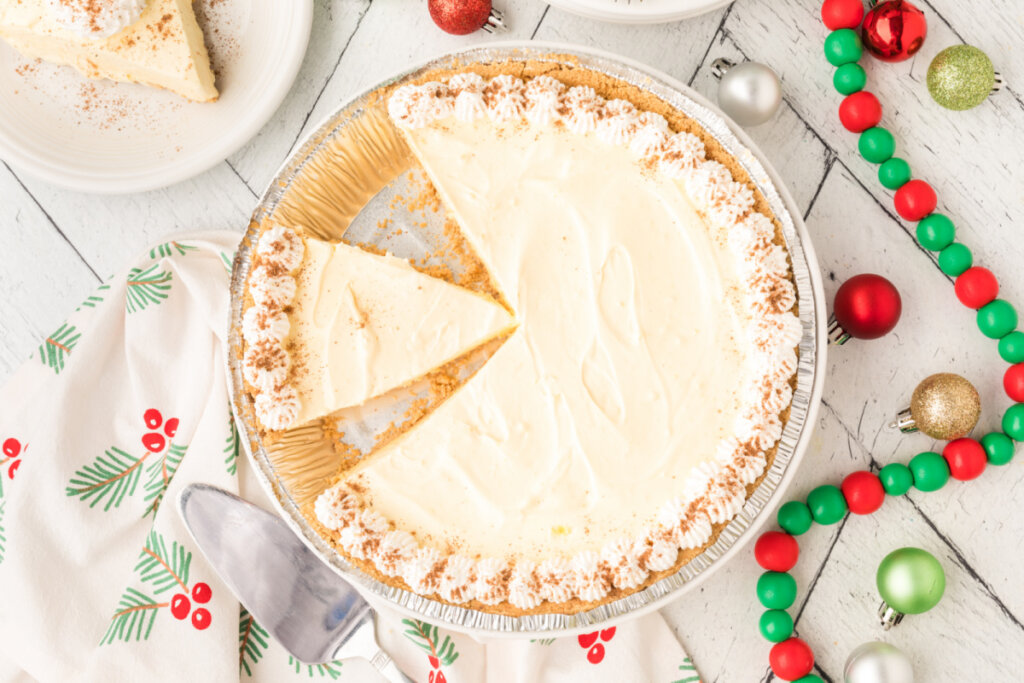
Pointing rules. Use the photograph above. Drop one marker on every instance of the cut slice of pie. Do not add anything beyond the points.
(163, 48)
(333, 325)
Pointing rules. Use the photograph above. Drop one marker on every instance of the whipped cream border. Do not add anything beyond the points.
(716, 490)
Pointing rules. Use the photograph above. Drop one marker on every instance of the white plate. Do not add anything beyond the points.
(101, 136)
(639, 11)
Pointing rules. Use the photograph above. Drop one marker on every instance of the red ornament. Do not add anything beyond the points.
(860, 111)
(976, 287)
(791, 659)
(460, 17)
(894, 30)
(863, 492)
(1013, 382)
(915, 200)
(966, 458)
(839, 14)
(776, 551)
(867, 306)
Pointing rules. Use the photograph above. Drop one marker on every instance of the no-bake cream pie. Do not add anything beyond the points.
(643, 389)
(153, 42)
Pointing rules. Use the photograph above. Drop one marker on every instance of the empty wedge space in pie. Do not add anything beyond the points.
(646, 360)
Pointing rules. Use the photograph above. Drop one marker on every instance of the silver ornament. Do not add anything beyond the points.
(878, 663)
(749, 93)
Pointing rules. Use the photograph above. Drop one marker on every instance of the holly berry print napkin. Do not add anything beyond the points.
(121, 407)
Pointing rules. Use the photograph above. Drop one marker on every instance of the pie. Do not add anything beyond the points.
(156, 43)
(640, 397)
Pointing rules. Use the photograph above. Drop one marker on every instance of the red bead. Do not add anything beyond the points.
(867, 306)
(1013, 382)
(966, 458)
(976, 287)
(776, 551)
(839, 14)
(894, 30)
(915, 200)
(860, 111)
(791, 659)
(864, 493)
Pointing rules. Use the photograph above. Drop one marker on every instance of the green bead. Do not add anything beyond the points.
(776, 625)
(843, 47)
(997, 319)
(809, 678)
(935, 232)
(955, 259)
(896, 479)
(1011, 347)
(795, 518)
(827, 504)
(876, 145)
(894, 174)
(849, 78)
(998, 447)
(911, 580)
(776, 590)
(930, 470)
(1013, 422)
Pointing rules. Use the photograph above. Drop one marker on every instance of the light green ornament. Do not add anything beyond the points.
(911, 581)
(962, 77)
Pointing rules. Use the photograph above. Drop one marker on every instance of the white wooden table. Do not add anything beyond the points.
(56, 244)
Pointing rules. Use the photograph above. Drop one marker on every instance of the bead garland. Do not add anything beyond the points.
(863, 492)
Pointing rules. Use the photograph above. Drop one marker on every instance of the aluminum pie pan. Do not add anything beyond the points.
(797, 431)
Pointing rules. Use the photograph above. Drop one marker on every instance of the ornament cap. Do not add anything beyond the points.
(495, 22)
(836, 334)
(888, 616)
(720, 66)
(905, 422)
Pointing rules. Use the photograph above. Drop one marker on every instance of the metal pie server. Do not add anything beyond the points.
(314, 613)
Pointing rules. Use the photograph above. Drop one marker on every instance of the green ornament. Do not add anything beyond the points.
(1013, 422)
(961, 77)
(849, 78)
(998, 447)
(776, 625)
(1011, 347)
(894, 174)
(896, 479)
(876, 145)
(997, 319)
(776, 590)
(843, 47)
(827, 504)
(795, 518)
(955, 259)
(911, 581)
(930, 470)
(935, 232)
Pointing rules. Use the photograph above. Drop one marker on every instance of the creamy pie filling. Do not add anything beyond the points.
(636, 399)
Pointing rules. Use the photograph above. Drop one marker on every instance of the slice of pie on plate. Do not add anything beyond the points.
(333, 325)
(156, 43)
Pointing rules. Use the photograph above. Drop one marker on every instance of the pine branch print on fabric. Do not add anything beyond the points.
(133, 619)
(253, 640)
(330, 670)
(159, 474)
(425, 637)
(170, 249)
(113, 476)
(146, 287)
(162, 569)
(232, 446)
(56, 347)
(96, 298)
(228, 260)
(689, 672)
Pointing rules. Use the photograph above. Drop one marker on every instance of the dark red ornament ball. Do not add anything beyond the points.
(839, 14)
(1013, 382)
(791, 659)
(867, 306)
(860, 111)
(915, 200)
(976, 287)
(966, 458)
(894, 30)
(776, 551)
(863, 492)
(459, 17)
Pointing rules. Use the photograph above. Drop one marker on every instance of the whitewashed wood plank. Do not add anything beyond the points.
(42, 278)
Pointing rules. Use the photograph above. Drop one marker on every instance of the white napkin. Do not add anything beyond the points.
(121, 407)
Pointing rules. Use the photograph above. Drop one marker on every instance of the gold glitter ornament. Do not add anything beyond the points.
(962, 77)
(944, 406)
